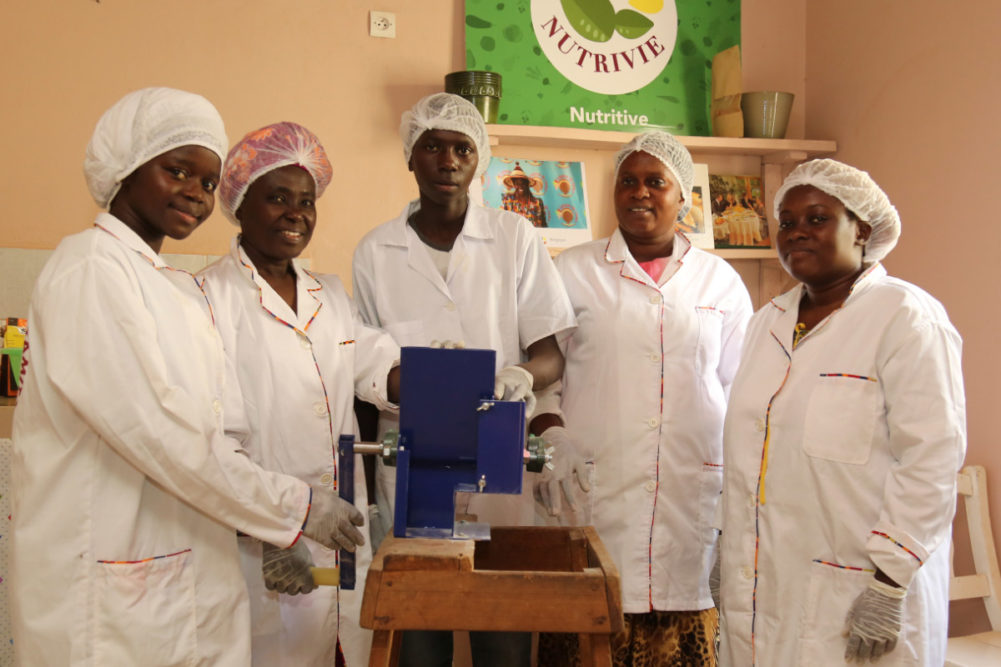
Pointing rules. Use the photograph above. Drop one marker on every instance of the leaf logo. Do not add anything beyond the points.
(597, 20)
(607, 46)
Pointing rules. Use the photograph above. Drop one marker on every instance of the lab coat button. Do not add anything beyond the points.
(655, 299)
(759, 425)
(750, 501)
(320, 409)
(651, 486)
(747, 571)
(653, 422)
(216, 406)
(326, 479)
(304, 342)
(654, 356)
(449, 306)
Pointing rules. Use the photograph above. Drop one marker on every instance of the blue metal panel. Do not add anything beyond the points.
(446, 443)
(501, 444)
(346, 490)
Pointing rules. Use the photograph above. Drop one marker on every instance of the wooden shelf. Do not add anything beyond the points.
(770, 150)
(774, 158)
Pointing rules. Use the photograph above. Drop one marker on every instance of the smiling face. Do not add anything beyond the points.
(647, 200)
(819, 241)
(170, 195)
(278, 215)
(444, 163)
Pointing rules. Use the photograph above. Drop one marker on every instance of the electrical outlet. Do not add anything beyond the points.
(382, 24)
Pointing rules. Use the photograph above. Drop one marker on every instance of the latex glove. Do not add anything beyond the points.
(287, 570)
(558, 474)
(332, 521)
(514, 383)
(873, 622)
(447, 345)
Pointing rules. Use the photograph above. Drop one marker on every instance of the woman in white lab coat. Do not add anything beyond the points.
(301, 354)
(648, 369)
(449, 270)
(127, 494)
(845, 430)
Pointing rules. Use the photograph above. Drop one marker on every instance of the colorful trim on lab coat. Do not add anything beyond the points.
(914, 555)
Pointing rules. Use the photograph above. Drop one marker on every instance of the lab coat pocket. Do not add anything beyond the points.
(145, 612)
(841, 418)
(830, 592)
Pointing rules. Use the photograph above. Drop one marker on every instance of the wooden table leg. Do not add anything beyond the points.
(385, 648)
(595, 649)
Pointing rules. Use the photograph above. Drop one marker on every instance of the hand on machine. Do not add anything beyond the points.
(288, 571)
(514, 383)
(333, 521)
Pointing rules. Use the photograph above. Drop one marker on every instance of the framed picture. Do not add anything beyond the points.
(549, 193)
(738, 211)
(697, 225)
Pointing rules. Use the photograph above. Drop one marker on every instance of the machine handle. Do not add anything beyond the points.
(346, 490)
(326, 576)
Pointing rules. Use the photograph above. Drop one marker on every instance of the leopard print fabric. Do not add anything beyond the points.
(655, 639)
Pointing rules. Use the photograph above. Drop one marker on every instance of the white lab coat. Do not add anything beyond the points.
(127, 495)
(865, 423)
(298, 375)
(644, 393)
(501, 293)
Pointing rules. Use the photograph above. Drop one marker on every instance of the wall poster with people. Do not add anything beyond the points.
(738, 210)
(697, 223)
(549, 193)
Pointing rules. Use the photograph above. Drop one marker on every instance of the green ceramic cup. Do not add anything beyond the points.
(481, 88)
(766, 114)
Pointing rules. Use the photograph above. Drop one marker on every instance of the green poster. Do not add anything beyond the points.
(603, 64)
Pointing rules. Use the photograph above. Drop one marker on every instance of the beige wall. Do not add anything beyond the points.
(910, 90)
(311, 61)
(898, 84)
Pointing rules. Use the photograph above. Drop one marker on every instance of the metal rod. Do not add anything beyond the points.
(368, 448)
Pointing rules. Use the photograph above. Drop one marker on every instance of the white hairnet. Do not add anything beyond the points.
(445, 111)
(669, 151)
(858, 192)
(142, 125)
(269, 148)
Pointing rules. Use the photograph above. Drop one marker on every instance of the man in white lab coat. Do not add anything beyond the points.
(450, 271)
(845, 430)
(126, 493)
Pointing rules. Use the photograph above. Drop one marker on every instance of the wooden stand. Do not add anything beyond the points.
(523, 579)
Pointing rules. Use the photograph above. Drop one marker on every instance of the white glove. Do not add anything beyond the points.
(287, 570)
(514, 383)
(873, 622)
(447, 345)
(332, 521)
(559, 472)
